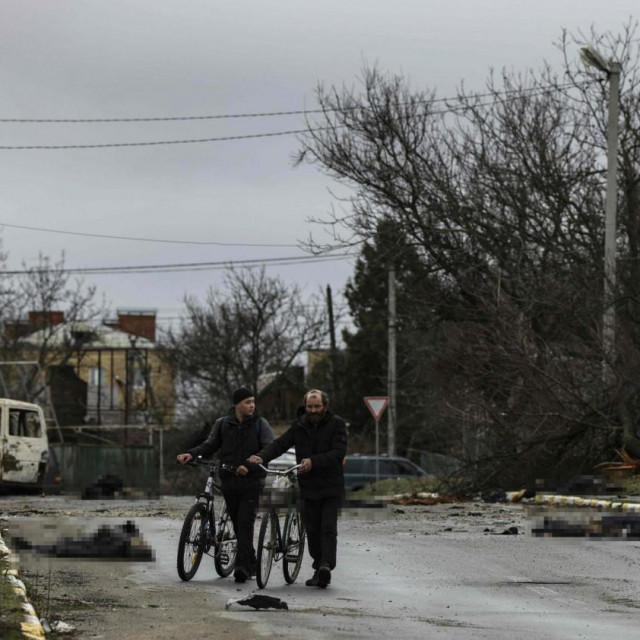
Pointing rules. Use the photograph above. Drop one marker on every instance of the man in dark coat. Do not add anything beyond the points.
(237, 436)
(320, 440)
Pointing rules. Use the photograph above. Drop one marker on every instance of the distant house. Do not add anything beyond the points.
(97, 374)
(280, 395)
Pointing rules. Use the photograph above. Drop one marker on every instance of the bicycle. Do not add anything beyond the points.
(284, 543)
(200, 532)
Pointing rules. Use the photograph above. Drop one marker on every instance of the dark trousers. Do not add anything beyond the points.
(242, 507)
(321, 523)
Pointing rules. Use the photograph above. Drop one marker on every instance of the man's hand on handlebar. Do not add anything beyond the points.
(255, 460)
(183, 458)
(242, 470)
(305, 465)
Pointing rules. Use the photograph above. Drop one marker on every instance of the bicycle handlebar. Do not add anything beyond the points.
(286, 472)
(194, 462)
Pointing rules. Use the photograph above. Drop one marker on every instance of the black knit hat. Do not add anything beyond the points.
(240, 394)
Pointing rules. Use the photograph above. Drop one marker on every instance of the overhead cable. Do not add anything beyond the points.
(189, 266)
(265, 114)
(113, 237)
(110, 145)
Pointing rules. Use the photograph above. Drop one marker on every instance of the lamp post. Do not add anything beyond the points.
(592, 58)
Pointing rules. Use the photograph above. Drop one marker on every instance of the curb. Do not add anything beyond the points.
(30, 626)
(575, 501)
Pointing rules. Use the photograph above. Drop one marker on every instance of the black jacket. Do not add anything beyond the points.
(325, 444)
(235, 442)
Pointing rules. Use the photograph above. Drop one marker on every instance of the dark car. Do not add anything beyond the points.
(360, 470)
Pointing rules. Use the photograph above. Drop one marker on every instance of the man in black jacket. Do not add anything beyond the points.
(237, 436)
(320, 439)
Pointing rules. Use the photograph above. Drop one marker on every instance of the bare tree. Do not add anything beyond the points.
(258, 325)
(501, 195)
(44, 290)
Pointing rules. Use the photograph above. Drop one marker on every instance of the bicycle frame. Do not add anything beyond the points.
(201, 531)
(278, 541)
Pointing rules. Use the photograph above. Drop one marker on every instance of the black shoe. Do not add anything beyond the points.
(324, 576)
(240, 575)
(312, 582)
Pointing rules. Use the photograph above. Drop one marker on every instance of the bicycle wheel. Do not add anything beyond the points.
(227, 545)
(266, 548)
(294, 539)
(192, 542)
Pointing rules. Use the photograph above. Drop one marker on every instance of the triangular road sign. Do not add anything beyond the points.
(377, 405)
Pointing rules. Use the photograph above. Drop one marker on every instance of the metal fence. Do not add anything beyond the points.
(82, 464)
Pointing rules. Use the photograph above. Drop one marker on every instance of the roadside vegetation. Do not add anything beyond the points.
(490, 208)
(10, 612)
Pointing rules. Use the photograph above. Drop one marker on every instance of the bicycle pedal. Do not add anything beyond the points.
(291, 558)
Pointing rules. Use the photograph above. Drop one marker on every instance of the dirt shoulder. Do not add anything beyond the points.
(100, 598)
(100, 601)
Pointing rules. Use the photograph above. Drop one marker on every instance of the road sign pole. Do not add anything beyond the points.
(377, 405)
(377, 455)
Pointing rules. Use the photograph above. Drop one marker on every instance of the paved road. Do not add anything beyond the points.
(410, 577)
(424, 572)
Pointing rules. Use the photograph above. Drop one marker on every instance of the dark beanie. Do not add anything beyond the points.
(241, 393)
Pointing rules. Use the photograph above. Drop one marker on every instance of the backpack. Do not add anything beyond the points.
(256, 425)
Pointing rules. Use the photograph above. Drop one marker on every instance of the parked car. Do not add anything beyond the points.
(360, 470)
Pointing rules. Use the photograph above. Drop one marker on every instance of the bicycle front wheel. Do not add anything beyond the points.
(227, 545)
(294, 539)
(266, 548)
(192, 541)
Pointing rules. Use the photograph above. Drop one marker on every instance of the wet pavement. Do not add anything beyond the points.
(407, 572)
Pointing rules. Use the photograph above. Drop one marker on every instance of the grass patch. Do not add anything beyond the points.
(11, 614)
(631, 485)
(392, 486)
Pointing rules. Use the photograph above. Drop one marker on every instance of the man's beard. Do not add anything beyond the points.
(314, 418)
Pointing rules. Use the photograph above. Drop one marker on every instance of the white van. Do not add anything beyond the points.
(24, 446)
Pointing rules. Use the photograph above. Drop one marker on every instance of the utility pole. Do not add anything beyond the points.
(609, 316)
(612, 69)
(332, 328)
(332, 338)
(391, 369)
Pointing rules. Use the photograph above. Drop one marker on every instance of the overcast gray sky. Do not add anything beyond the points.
(161, 58)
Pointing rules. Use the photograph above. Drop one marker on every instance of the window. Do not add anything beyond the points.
(24, 423)
(139, 378)
(96, 377)
(406, 468)
(353, 465)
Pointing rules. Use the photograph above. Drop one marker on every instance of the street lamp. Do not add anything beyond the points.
(592, 58)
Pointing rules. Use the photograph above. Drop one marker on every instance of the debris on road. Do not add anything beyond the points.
(257, 601)
(422, 498)
(119, 541)
(108, 486)
(614, 526)
(62, 627)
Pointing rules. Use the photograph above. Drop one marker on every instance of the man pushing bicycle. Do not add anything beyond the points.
(320, 440)
(237, 436)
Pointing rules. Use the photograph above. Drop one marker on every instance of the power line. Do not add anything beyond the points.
(112, 237)
(189, 266)
(264, 114)
(111, 145)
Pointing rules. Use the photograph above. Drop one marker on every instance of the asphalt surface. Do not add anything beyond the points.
(407, 572)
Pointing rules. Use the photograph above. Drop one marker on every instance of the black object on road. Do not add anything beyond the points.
(108, 486)
(258, 601)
